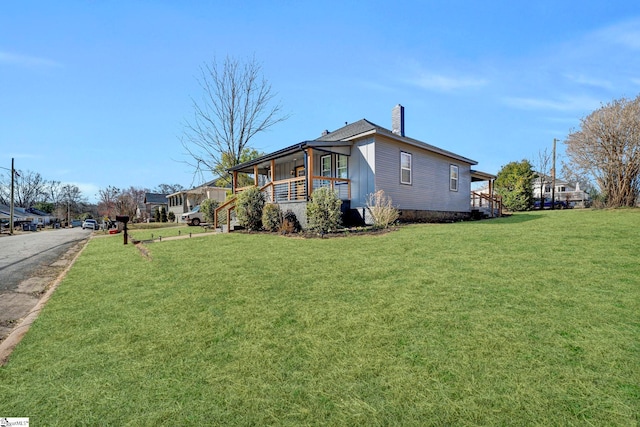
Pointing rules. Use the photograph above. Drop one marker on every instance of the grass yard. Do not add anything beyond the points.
(148, 233)
(528, 320)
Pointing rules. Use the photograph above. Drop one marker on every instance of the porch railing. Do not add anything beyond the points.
(292, 189)
(483, 200)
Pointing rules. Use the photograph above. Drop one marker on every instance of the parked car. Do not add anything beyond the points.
(559, 204)
(91, 224)
(194, 217)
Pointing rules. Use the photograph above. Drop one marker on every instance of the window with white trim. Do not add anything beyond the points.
(341, 166)
(325, 165)
(405, 168)
(453, 177)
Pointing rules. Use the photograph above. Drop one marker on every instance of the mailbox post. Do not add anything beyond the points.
(123, 219)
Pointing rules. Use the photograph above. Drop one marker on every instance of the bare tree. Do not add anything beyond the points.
(168, 188)
(543, 169)
(29, 188)
(129, 200)
(70, 202)
(108, 203)
(237, 104)
(607, 148)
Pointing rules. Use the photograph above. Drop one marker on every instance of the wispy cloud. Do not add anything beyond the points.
(88, 189)
(444, 83)
(26, 60)
(589, 81)
(626, 34)
(565, 104)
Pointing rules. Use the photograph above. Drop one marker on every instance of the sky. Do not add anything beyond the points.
(97, 93)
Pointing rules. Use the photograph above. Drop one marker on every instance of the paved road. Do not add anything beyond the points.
(24, 255)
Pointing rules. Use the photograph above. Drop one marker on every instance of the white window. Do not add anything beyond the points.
(453, 177)
(341, 166)
(325, 165)
(405, 168)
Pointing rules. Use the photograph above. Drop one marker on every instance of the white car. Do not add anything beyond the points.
(194, 217)
(91, 224)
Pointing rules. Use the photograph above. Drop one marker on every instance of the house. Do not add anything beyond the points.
(42, 218)
(20, 215)
(151, 202)
(564, 191)
(425, 182)
(184, 201)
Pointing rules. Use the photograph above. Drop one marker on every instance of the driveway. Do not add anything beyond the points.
(29, 263)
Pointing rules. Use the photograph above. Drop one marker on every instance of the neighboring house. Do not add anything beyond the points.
(184, 201)
(151, 202)
(424, 182)
(20, 215)
(564, 191)
(41, 218)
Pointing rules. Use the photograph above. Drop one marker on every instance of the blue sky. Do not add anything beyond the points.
(96, 93)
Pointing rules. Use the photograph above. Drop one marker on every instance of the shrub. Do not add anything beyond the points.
(156, 214)
(171, 216)
(382, 211)
(208, 209)
(271, 217)
(163, 214)
(323, 211)
(249, 207)
(290, 223)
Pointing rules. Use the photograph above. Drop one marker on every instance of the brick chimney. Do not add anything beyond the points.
(397, 120)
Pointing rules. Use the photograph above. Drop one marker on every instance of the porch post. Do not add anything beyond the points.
(273, 179)
(491, 197)
(234, 184)
(310, 171)
(255, 175)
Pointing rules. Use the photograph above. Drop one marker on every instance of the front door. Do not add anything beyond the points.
(300, 191)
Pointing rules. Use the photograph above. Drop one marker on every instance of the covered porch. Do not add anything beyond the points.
(292, 174)
(485, 202)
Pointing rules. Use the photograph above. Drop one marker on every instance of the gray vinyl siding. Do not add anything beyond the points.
(429, 188)
(362, 171)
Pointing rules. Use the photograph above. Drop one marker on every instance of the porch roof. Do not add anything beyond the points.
(481, 176)
(247, 167)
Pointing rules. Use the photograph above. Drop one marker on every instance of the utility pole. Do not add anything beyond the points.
(13, 172)
(553, 177)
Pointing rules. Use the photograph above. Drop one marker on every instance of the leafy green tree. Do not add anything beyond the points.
(156, 214)
(208, 209)
(163, 214)
(244, 180)
(249, 207)
(515, 184)
(323, 211)
(45, 206)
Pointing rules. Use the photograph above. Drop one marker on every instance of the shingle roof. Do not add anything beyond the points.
(156, 198)
(355, 128)
(342, 136)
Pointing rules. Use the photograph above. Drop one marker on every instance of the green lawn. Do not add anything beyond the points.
(528, 320)
(144, 232)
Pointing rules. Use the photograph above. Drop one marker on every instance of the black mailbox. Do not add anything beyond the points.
(123, 219)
